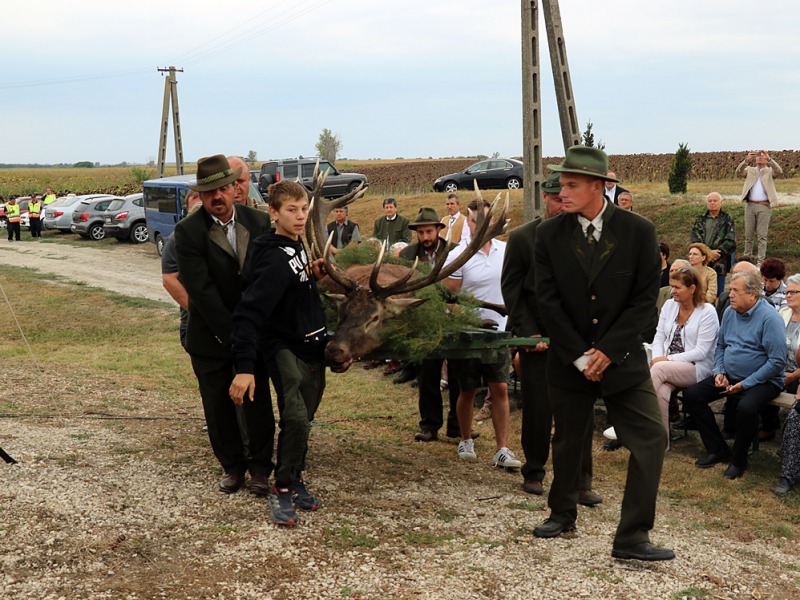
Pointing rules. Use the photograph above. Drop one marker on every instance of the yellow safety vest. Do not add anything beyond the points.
(12, 212)
(49, 198)
(34, 210)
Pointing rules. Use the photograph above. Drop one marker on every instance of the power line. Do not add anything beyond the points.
(73, 79)
(226, 42)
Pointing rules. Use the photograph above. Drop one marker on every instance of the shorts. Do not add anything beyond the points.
(471, 372)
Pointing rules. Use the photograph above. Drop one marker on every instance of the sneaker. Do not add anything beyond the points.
(280, 503)
(783, 487)
(505, 458)
(302, 497)
(466, 450)
(484, 413)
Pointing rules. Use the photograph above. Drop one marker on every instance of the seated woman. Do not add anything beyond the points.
(790, 465)
(699, 257)
(791, 318)
(683, 347)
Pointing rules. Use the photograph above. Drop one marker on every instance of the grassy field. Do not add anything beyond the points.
(116, 407)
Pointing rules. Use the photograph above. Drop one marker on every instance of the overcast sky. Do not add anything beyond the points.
(394, 78)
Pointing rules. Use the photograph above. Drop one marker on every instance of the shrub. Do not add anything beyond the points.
(679, 172)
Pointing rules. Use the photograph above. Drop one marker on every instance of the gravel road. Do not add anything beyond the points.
(130, 270)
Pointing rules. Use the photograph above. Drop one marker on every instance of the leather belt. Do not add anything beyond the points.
(759, 201)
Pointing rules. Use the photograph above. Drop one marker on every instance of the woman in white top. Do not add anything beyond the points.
(683, 347)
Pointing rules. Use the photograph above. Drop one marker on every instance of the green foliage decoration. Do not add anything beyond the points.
(418, 331)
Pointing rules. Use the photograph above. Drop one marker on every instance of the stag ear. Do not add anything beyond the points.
(394, 306)
(337, 299)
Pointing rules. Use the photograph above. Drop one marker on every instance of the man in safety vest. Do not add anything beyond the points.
(49, 196)
(13, 217)
(35, 216)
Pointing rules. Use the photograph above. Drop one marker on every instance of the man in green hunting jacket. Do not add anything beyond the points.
(716, 230)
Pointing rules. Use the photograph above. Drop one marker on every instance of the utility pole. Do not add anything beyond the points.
(170, 97)
(531, 100)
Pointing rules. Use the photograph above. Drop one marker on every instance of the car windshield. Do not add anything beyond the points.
(70, 200)
(116, 204)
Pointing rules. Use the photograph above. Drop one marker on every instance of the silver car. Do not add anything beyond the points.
(124, 219)
(87, 218)
(58, 214)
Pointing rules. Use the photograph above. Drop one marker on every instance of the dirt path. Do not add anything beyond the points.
(130, 270)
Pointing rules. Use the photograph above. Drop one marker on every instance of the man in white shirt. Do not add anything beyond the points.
(481, 277)
(612, 190)
(758, 194)
(455, 229)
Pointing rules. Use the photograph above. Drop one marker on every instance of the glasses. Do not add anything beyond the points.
(792, 292)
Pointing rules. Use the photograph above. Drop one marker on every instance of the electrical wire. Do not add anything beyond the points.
(222, 43)
(21, 333)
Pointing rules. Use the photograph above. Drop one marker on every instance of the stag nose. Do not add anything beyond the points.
(336, 353)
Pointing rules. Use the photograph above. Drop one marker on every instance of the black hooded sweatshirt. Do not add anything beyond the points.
(281, 308)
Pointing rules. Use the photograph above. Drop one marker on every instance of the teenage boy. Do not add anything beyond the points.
(280, 320)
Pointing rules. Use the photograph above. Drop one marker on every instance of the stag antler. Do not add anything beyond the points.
(319, 209)
(486, 229)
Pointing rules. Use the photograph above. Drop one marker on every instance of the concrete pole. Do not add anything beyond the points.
(568, 115)
(531, 111)
(176, 122)
(170, 96)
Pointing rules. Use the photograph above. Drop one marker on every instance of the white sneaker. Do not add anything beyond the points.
(466, 450)
(505, 458)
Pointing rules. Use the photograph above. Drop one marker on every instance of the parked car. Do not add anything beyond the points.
(337, 184)
(124, 219)
(165, 205)
(494, 173)
(58, 214)
(87, 218)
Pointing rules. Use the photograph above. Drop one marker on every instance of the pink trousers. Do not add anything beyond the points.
(669, 375)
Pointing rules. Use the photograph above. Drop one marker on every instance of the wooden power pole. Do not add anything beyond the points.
(170, 97)
(531, 99)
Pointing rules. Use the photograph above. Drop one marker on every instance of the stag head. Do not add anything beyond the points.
(365, 299)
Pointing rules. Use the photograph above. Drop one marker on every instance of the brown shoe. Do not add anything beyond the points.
(426, 435)
(231, 483)
(533, 487)
(259, 485)
(589, 498)
(766, 436)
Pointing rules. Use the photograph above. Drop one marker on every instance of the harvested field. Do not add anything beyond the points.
(400, 176)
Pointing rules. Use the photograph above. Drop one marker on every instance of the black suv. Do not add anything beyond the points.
(337, 184)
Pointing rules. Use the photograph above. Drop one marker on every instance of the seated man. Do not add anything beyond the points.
(346, 231)
(392, 226)
(749, 362)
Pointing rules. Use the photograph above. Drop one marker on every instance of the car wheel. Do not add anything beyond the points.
(450, 187)
(96, 232)
(159, 244)
(514, 183)
(3, 223)
(353, 187)
(139, 235)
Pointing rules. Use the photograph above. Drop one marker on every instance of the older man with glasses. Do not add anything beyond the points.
(749, 363)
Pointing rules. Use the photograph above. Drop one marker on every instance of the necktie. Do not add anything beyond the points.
(590, 237)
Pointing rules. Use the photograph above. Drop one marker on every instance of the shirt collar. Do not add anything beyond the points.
(597, 221)
(221, 224)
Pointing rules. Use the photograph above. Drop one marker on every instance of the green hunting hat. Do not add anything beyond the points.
(214, 172)
(426, 216)
(585, 161)
(553, 184)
